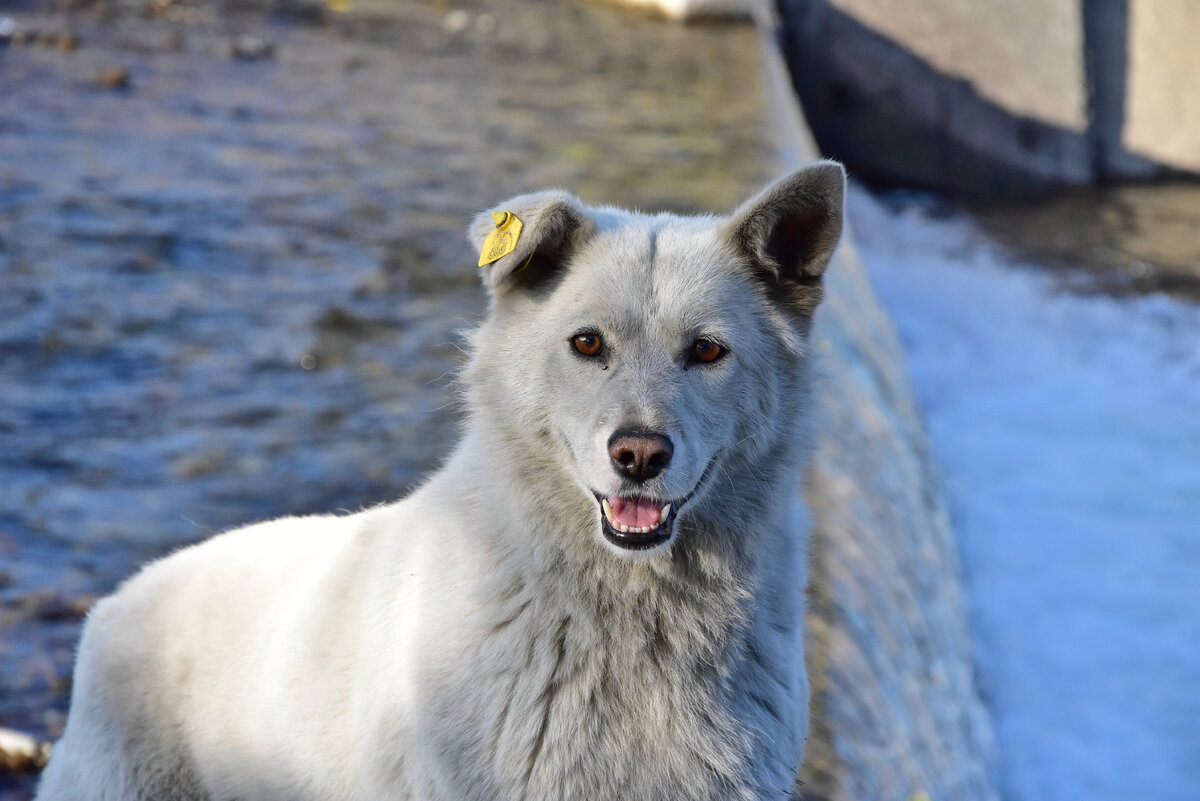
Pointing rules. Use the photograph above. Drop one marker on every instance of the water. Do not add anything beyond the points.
(1121, 240)
(1063, 406)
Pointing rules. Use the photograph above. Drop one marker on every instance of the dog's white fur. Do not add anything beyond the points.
(481, 639)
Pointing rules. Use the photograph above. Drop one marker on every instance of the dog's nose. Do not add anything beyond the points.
(639, 455)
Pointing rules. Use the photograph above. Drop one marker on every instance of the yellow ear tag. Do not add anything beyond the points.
(503, 238)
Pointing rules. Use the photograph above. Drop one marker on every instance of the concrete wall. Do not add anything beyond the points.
(1163, 102)
(896, 711)
(1034, 70)
(894, 687)
(999, 97)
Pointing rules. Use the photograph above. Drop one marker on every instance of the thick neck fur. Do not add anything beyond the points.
(598, 658)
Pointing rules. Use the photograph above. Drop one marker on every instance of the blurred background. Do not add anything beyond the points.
(233, 282)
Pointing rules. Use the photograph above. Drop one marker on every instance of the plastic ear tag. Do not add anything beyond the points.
(503, 239)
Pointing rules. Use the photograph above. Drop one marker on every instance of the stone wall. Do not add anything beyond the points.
(1163, 106)
(896, 711)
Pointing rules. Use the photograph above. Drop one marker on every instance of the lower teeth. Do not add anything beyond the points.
(624, 529)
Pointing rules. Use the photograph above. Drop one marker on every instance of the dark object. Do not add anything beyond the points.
(640, 456)
(114, 78)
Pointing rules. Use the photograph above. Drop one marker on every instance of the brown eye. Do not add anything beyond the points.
(588, 344)
(705, 351)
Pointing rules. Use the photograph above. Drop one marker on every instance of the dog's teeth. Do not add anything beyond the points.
(606, 507)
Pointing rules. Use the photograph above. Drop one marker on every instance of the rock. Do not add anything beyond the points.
(48, 606)
(21, 753)
(338, 320)
(251, 48)
(114, 78)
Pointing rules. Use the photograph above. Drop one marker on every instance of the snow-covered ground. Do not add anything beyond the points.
(1067, 429)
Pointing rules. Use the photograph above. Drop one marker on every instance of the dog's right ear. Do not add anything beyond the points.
(552, 226)
(790, 230)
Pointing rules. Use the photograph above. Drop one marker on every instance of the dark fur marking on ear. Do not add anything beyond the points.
(797, 234)
(555, 224)
(789, 233)
(541, 275)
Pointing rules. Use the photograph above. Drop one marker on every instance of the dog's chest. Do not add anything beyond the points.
(562, 706)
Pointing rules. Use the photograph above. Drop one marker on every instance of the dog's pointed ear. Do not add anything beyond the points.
(790, 230)
(552, 225)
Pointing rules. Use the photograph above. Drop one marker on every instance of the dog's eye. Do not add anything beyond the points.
(587, 343)
(705, 351)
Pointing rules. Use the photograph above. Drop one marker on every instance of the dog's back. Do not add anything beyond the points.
(599, 595)
(174, 669)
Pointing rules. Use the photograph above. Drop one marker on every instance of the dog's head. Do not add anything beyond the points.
(650, 369)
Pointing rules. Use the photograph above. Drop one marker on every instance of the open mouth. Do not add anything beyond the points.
(636, 523)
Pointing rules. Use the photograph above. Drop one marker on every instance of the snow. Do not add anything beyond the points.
(1067, 431)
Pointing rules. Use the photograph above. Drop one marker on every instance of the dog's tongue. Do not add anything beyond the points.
(635, 512)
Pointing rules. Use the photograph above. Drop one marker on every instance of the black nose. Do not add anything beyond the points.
(639, 455)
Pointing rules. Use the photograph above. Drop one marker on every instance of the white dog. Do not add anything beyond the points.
(600, 596)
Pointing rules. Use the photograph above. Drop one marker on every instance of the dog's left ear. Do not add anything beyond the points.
(790, 231)
(526, 241)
